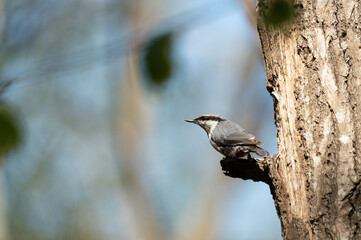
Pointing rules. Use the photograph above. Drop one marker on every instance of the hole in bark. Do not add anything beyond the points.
(270, 90)
(343, 34)
(299, 5)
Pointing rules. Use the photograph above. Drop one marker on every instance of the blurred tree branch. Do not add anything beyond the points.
(85, 57)
(131, 119)
(250, 6)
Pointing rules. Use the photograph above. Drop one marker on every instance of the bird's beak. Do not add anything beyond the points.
(190, 120)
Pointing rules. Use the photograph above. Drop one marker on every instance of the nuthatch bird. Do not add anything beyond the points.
(228, 137)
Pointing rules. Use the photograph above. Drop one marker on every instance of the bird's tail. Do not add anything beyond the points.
(260, 151)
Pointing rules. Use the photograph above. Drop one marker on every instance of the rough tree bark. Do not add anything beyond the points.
(313, 69)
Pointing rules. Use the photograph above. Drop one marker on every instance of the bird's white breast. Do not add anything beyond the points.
(213, 125)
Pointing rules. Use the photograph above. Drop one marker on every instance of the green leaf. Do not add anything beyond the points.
(157, 60)
(279, 13)
(10, 134)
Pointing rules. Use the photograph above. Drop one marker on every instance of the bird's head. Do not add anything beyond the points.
(207, 121)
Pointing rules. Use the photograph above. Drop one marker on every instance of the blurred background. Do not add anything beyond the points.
(93, 97)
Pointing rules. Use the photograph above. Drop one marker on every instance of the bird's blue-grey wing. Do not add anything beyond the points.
(229, 133)
(240, 139)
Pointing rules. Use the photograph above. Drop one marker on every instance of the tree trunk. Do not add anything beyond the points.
(313, 68)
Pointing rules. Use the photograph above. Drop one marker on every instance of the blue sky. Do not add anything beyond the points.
(74, 156)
